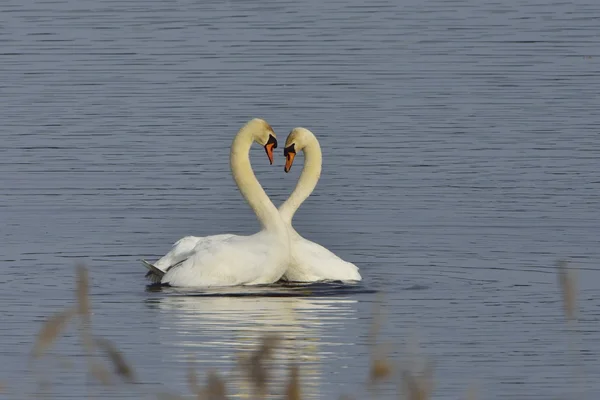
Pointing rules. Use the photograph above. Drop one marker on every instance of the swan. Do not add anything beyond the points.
(227, 259)
(310, 262)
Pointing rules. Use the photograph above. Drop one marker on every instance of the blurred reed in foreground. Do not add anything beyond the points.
(108, 366)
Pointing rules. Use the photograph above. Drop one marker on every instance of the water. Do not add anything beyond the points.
(461, 145)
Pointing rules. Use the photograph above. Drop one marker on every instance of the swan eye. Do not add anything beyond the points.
(272, 141)
(290, 149)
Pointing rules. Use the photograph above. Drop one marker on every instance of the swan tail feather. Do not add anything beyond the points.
(154, 274)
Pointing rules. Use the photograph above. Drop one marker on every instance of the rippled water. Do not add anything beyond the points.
(461, 144)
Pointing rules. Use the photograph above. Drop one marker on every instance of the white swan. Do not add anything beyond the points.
(231, 260)
(310, 261)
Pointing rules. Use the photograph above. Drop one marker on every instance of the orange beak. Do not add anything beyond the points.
(289, 153)
(271, 144)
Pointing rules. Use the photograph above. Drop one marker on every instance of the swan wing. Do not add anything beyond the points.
(231, 261)
(228, 259)
(184, 248)
(312, 262)
(180, 251)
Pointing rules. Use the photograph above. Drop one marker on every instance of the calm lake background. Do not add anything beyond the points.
(461, 146)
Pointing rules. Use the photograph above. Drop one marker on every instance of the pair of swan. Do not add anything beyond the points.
(277, 251)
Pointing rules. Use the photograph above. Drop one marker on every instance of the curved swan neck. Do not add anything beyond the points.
(311, 172)
(249, 186)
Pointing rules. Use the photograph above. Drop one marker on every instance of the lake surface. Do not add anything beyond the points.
(461, 146)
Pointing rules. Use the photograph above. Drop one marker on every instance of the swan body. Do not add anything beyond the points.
(227, 259)
(310, 262)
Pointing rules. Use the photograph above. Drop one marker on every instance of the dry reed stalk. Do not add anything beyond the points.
(215, 388)
(381, 368)
(50, 331)
(192, 379)
(292, 391)
(255, 367)
(568, 286)
(419, 386)
(100, 373)
(82, 293)
(377, 318)
(567, 281)
(121, 367)
(95, 370)
(43, 389)
(83, 309)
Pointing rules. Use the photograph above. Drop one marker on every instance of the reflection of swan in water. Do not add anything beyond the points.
(214, 330)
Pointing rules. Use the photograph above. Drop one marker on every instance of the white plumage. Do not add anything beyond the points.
(226, 259)
(309, 261)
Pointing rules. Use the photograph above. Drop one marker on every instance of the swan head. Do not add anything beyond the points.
(264, 135)
(296, 141)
